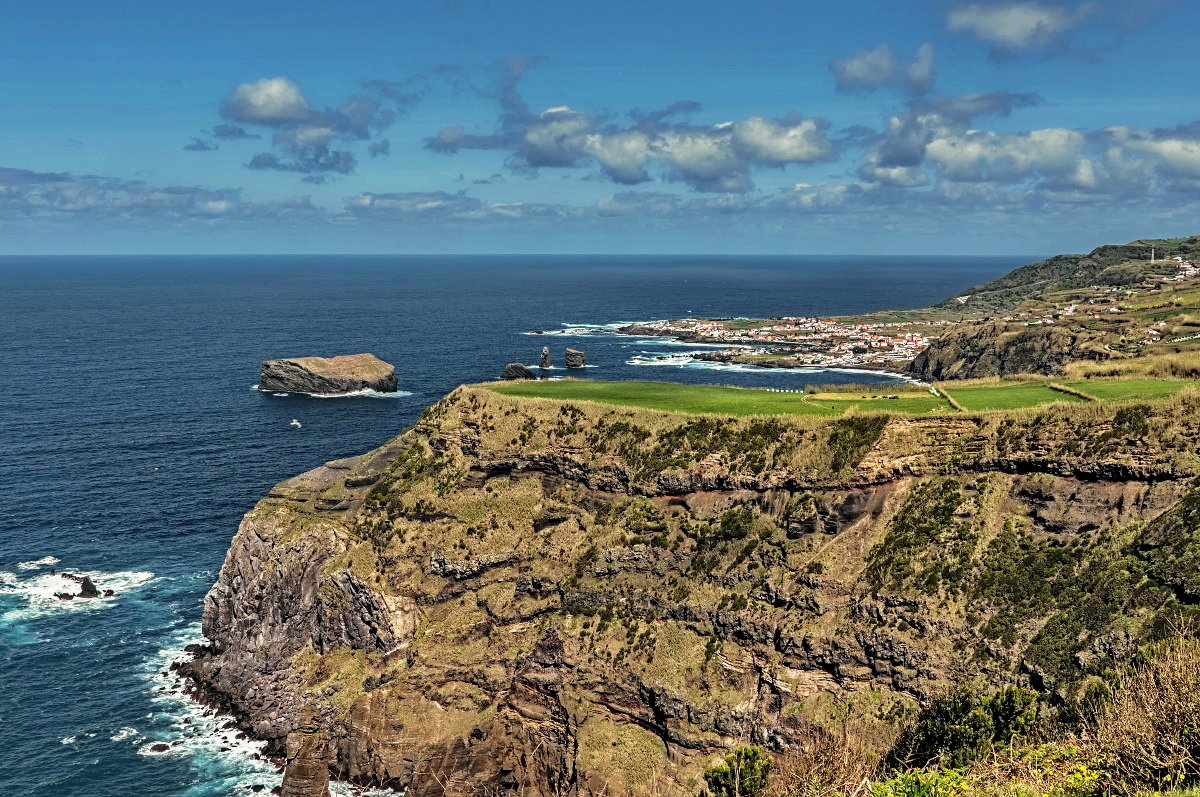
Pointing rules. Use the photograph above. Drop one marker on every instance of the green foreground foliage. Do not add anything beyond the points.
(1141, 740)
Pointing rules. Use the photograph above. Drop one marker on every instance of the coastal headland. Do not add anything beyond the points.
(575, 587)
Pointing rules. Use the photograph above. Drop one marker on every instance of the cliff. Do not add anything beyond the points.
(522, 595)
(999, 348)
(321, 375)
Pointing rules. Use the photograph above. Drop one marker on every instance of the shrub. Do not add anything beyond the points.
(743, 774)
(823, 764)
(953, 731)
(921, 784)
(1149, 733)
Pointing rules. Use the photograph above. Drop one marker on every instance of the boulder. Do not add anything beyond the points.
(87, 589)
(545, 363)
(332, 375)
(517, 371)
(574, 358)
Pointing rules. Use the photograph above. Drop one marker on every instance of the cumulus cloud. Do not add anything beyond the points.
(868, 70)
(715, 157)
(903, 142)
(309, 139)
(918, 75)
(1017, 25)
(270, 101)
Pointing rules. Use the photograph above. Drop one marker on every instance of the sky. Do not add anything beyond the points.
(623, 126)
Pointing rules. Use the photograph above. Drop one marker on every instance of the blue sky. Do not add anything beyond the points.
(927, 126)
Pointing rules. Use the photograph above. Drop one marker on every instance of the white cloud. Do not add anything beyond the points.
(270, 101)
(919, 74)
(998, 157)
(770, 141)
(866, 69)
(1017, 25)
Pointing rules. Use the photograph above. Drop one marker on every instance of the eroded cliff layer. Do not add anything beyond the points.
(555, 598)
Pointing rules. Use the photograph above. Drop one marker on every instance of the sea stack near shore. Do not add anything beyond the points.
(345, 374)
(545, 363)
(574, 358)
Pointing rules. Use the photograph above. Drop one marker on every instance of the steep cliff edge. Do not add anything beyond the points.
(544, 597)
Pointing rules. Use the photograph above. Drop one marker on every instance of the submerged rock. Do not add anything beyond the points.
(517, 371)
(344, 374)
(545, 363)
(574, 358)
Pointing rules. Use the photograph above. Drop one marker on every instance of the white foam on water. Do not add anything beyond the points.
(224, 760)
(67, 740)
(45, 561)
(125, 733)
(36, 594)
(364, 393)
(687, 360)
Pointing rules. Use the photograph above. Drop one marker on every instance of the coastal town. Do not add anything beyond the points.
(1119, 311)
(799, 341)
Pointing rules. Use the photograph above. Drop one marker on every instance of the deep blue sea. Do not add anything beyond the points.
(131, 441)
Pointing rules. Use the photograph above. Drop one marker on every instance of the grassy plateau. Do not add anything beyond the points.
(910, 400)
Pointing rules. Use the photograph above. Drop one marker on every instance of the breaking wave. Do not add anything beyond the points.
(23, 599)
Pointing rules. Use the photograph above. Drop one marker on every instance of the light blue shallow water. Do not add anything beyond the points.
(132, 443)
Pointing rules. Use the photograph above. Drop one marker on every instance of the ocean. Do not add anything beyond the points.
(133, 442)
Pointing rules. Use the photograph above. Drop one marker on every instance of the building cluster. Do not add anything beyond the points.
(1184, 270)
(812, 341)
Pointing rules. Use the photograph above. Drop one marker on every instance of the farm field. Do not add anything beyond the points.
(906, 399)
(1004, 395)
(1128, 389)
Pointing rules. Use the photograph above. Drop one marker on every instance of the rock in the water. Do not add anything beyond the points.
(517, 371)
(87, 589)
(545, 357)
(574, 358)
(344, 374)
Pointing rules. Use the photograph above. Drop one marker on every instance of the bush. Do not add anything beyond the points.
(743, 774)
(953, 731)
(1149, 733)
(921, 784)
(824, 764)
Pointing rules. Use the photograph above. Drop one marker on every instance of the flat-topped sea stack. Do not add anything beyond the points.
(328, 375)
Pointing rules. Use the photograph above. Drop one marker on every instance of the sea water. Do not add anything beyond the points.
(132, 443)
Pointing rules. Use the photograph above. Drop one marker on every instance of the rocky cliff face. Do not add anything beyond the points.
(531, 596)
(322, 375)
(998, 348)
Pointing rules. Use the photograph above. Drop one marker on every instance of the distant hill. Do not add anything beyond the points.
(1027, 321)
(1113, 264)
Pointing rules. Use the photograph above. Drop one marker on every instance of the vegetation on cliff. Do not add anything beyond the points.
(570, 597)
(1115, 303)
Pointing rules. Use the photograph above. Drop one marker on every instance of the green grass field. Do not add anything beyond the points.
(1128, 389)
(723, 400)
(1005, 396)
(673, 397)
(710, 399)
